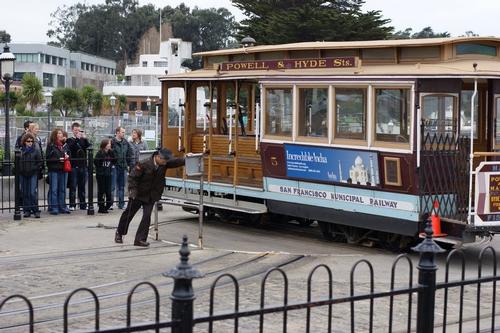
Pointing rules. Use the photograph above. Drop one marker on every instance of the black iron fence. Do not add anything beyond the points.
(11, 179)
(419, 318)
(12, 196)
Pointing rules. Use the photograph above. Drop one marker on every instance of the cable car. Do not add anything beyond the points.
(363, 137)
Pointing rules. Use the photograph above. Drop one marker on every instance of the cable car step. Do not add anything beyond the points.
(191, 201)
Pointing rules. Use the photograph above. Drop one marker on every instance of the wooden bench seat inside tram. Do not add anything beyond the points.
(249, 162)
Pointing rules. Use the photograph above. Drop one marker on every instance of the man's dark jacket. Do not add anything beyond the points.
(78, 148)
(146, 181)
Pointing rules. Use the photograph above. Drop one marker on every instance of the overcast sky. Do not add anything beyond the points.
(27, 20)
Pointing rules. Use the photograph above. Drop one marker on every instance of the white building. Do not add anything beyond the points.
(56, 67)
(141, 80)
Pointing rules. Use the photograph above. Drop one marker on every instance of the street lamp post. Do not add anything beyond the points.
(158, 106)
(48, 101)
(7, 60)
(148, 103)
(112, 101)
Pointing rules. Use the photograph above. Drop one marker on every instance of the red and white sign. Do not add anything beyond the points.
(487, 194)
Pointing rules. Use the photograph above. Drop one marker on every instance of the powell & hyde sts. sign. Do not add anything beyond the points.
(338, 62)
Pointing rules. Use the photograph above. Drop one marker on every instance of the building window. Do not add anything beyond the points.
(392, 115)
(48, 80)
(144, 64)
(472, 48)
(47, 59)
(18, 76)
(72, 64)
(61, 62)
(160, 64)
(144, 106)
(350, 120)
(54, 60)
(61, 81)
(132, 106)
(438, 114)
(313, 112)
(278, 111)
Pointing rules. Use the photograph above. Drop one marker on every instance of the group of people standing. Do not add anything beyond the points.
(66, 162)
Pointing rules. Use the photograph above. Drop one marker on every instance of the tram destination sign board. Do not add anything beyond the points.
(487, 194)
(317, 63)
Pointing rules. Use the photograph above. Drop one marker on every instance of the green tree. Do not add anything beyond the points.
(4, 37)
(88, 92)
(289, 21)
(66, 100)
(63, 25)
(426, 32)
(97, 100)
(113, 29)
(31, 90)
(207, 29)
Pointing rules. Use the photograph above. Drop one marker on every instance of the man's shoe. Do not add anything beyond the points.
(141, 243)
(37, 215)
(118, 238)
(27, 214)
(71, 208)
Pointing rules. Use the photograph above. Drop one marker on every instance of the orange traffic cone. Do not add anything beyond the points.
(436, 222)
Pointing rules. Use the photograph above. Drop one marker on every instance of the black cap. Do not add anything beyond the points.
(165, 153)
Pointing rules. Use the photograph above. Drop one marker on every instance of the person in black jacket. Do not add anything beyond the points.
(103, 161)
(77, 145)
(55, 156)
(30, 162)
(145, 186)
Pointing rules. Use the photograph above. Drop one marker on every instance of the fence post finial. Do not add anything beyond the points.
(426, 278)
(183, 296)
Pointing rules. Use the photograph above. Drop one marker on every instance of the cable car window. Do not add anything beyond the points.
(392, 115)
(279, 111)
(350, 106)
(202, 105)
(313, 112)
(465, 114)
(472, 48)
(438, 114)
(176, 107)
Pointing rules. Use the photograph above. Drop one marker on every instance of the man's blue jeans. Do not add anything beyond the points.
(29, 186)
(118, 181)
(78, 179)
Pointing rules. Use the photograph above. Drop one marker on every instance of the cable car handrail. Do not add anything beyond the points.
(486, 153)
